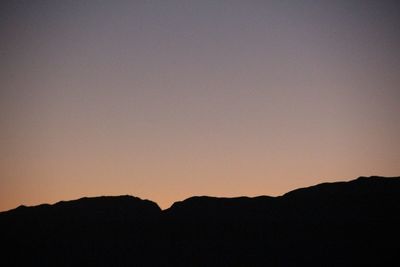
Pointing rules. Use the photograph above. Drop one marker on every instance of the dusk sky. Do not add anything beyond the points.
(168, 99)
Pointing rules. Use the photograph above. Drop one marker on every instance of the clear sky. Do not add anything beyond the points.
(168, 99)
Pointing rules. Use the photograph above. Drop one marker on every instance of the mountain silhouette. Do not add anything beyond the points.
(331, 224)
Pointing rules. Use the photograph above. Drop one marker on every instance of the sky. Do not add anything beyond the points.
(168, 99)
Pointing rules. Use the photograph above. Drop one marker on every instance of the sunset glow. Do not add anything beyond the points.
(168, 99)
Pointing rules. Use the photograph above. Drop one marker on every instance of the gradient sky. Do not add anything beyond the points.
(168, 99)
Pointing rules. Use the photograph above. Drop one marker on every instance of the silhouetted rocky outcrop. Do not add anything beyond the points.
(331, 224)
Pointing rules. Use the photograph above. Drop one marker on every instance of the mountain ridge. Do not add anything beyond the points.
(334, 224)
(110, 197)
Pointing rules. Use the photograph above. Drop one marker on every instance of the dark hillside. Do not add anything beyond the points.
(331, 224)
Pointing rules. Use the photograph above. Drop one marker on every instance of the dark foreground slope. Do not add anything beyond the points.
(103, 231)
(334, 224)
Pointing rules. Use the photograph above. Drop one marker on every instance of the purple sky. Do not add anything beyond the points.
(169, 99)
